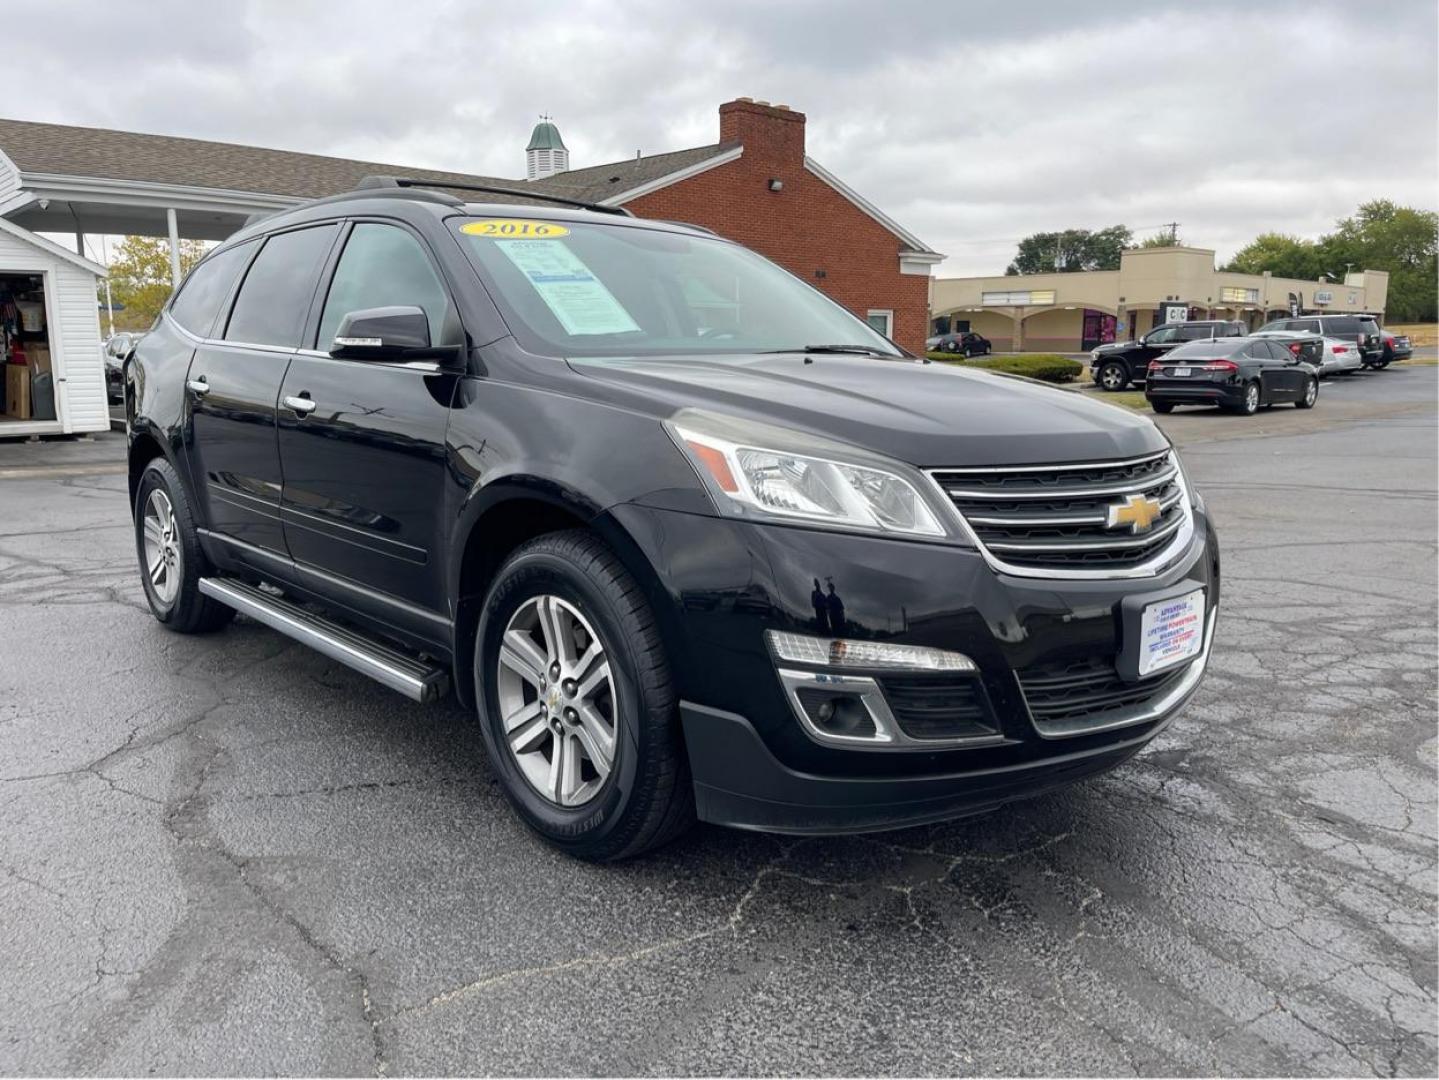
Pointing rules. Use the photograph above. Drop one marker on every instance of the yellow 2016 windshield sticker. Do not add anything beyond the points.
(514, 229)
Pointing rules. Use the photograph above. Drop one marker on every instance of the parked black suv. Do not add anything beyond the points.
(1117, 364)
(694, 540)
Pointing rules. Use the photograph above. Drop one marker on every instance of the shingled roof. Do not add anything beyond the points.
(61, 149)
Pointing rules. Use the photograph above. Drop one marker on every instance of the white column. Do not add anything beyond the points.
(174, 248)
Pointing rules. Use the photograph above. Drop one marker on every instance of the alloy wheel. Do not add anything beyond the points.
(1311, 392)
(1111, 378)
(164, 561)
(557, 700)
(1251, 398)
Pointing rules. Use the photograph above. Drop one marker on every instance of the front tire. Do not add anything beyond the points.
(577, 708)
(1113, 377)
(171, 561)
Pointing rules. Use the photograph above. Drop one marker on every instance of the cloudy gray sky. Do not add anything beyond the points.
(972, 124)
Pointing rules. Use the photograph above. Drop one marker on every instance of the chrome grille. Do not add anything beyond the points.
(1053, 520)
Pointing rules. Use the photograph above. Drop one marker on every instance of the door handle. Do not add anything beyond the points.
(301, 404)
(197, 386)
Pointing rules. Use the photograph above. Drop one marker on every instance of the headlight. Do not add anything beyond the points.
(758, 471)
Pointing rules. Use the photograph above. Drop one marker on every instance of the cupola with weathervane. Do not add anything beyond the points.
(546, 154)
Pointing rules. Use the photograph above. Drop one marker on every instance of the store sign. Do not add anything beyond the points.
(1175, 313)
(1017, 297)
(1231, 294)
(1323, 296)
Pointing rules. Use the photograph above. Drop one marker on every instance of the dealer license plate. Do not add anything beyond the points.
(1171, 632)
(1181, 372)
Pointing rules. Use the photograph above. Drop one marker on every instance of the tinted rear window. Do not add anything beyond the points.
(275, 296)
(1340, 324)
(1203, 348)
(206, 288)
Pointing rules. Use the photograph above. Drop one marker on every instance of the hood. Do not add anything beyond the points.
(928, 414)
(1114, 346)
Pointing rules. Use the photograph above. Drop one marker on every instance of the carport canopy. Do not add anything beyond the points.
(55, 178)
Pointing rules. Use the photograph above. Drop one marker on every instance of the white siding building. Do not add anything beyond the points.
(51, 311)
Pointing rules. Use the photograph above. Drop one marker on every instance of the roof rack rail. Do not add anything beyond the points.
(372, 182)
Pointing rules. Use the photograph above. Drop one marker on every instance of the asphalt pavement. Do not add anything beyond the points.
(229, 855)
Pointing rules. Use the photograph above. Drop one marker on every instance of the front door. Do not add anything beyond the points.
(235, 380)
(362, 442)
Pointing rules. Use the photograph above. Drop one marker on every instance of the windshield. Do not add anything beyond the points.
(570, 288)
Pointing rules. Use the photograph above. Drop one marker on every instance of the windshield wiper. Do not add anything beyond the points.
(857, 350)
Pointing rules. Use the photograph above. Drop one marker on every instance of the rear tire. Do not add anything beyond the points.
(645, 797)
(1249, 403)
(1311, 395)
(171, 561)
(1162, 406)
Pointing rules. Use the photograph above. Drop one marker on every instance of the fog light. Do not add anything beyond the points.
(837, 713)
(845, 653)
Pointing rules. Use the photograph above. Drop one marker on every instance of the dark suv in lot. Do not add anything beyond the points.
(1362, 331)
(1116, 365)
(693, 540)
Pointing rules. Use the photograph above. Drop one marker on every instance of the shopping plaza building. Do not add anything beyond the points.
(1074, 312)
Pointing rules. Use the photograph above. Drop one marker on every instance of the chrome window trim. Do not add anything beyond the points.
(427, 366)
(1151, 567)
(889, 735)
(1170, 700)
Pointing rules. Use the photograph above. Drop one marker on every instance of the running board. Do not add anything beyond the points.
(414, 678)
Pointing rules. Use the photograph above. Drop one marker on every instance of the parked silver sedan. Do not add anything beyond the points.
(1339, 355)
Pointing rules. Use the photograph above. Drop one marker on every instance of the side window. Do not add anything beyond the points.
(382, 266)
(1196, 333)
(206, 288)
(1273, 350)
(276, 293)
(1163, 336)
(1309, 326)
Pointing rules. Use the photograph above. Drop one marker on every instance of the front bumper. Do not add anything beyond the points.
(718, 585)
(738, 782)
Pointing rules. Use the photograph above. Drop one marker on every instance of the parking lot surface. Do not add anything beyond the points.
(229, 855)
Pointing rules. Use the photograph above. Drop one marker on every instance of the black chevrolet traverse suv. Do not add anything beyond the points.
(691, 539)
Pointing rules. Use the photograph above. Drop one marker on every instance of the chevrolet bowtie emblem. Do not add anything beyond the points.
(1139, 512)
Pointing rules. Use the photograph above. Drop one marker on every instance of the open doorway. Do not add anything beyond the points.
(28, 387)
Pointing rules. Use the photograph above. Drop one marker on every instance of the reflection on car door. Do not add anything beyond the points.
(362, 442)
(233, 384)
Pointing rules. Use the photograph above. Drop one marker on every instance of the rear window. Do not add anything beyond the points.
(206, 288)
(276, 293)
(1343, 324)
(1196, 333)
(1203, 348)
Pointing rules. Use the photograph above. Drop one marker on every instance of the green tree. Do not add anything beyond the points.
(140, 277)
(1400, 239)
(1070, 250)
(1168, 238)
(1280, 254)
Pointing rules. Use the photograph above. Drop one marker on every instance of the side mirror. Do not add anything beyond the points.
(384, 333)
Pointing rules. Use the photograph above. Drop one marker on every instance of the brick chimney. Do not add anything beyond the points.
(772, 133)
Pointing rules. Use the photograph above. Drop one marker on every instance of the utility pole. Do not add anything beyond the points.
(1173, 233)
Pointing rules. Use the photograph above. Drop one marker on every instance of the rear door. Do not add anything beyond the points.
(362, 442)
(233, 385)
(1280, 373)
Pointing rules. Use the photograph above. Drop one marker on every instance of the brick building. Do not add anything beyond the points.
(755, 185)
